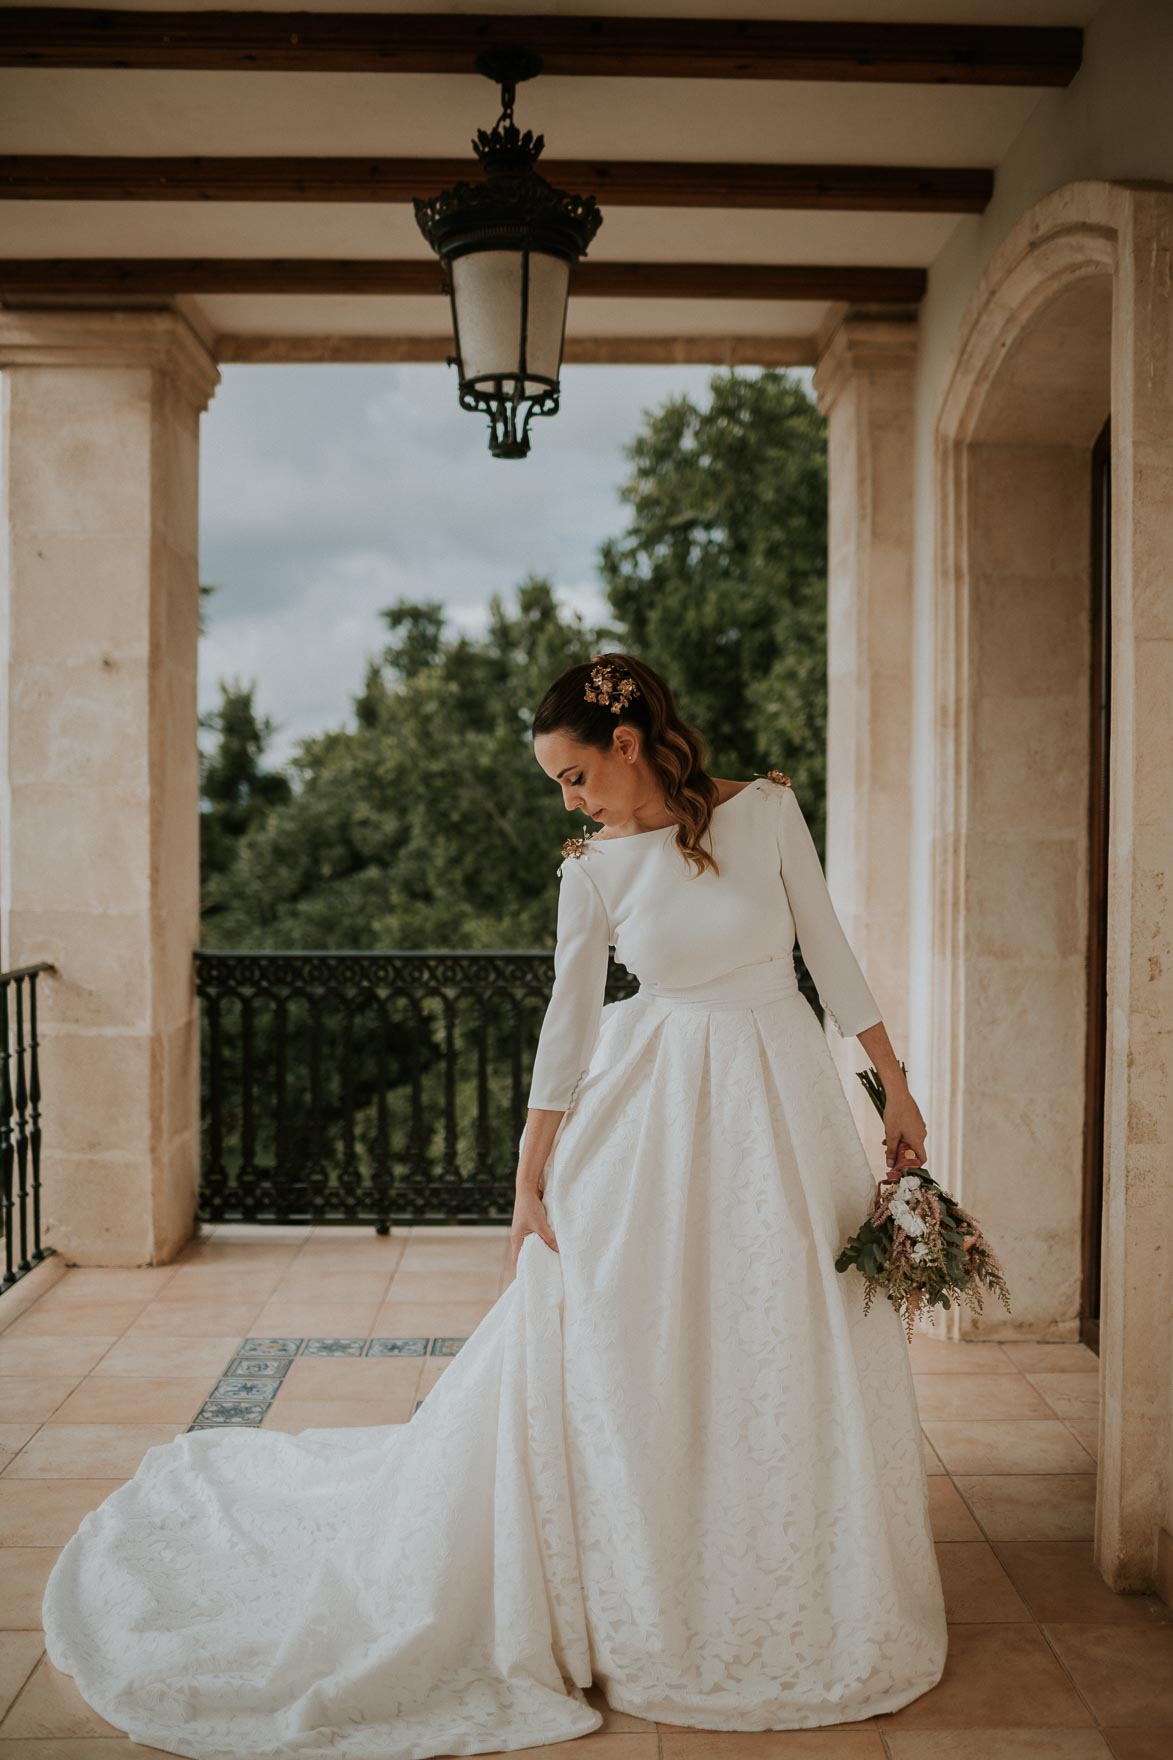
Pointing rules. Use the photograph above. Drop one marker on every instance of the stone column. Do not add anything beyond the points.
(99, 765)
(1134, 1514)
(864, 384)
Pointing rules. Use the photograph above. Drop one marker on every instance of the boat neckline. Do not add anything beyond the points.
(659, 830)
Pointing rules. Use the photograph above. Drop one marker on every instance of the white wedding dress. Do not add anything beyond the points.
(674, 1457)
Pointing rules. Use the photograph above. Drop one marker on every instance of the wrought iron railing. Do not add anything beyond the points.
(367, 1087)
(387, 1088)
(20, 1123)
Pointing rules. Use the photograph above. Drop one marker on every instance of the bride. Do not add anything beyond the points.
(674, 1458)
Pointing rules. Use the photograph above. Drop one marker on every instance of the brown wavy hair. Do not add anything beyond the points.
(673, 747)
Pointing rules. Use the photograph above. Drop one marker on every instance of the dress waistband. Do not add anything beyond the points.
(763, 981)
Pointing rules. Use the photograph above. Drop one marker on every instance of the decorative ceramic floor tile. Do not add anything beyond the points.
(256, 1370)
(250, 1365)
(219, 1412)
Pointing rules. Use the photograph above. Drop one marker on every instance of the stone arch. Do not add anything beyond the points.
(1070, 322)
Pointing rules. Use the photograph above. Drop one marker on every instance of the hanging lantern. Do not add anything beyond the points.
(507, 246)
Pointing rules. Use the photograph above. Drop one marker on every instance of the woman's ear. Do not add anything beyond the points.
(626, 743)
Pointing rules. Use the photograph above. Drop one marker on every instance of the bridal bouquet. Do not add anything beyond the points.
(917, 1244)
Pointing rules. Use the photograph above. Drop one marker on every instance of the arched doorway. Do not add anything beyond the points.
(1024, 766)
(1052, 840)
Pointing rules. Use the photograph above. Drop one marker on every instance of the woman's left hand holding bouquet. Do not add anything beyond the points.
(904, 1128)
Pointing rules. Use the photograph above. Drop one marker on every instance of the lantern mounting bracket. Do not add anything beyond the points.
(507, 65)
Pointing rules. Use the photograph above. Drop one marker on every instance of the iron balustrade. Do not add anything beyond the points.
(20, 1123)
(382, 1088)
(386, 1088)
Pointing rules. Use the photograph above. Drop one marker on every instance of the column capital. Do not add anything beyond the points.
(163, 341)
(864, 343)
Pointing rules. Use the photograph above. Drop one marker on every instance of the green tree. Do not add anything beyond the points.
(720, 580)
(236, 790)
(419, 826)
(207, 588)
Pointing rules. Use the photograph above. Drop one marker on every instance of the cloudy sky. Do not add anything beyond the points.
(328, 492)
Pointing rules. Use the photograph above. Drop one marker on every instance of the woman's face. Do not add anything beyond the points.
(606, 786)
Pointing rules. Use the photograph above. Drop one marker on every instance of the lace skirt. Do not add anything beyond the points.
(674, 1457)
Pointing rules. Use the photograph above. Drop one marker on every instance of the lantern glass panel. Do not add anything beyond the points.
(486, 286)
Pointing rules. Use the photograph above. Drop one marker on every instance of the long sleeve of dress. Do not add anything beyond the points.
(572, 1017)
(842, 987)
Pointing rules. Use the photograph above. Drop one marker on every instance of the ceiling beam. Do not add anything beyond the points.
(641, 48)
(623, 183)
(107, 276)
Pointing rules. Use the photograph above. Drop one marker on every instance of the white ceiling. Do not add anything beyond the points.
(83, 111)
(424, 115)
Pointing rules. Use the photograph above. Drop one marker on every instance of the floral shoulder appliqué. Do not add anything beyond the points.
(778, 776)
(574, 846)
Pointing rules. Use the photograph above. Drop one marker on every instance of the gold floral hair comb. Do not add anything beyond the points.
(614, 692)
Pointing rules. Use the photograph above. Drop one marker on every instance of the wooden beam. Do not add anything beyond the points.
(107, 276)
(623, 183)
(640, 48)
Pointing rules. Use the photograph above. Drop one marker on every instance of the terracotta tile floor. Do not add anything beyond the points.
(332, 1326)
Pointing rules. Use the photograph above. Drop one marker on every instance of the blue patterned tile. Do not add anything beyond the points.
(234, 1412)
(397, 1347)
(237, 1388)
(334, 1347)
(273, 1347)
(255, 1366)
(447, 1347)
(219, 1424)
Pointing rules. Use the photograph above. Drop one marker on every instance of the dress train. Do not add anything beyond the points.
(674, 1457)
